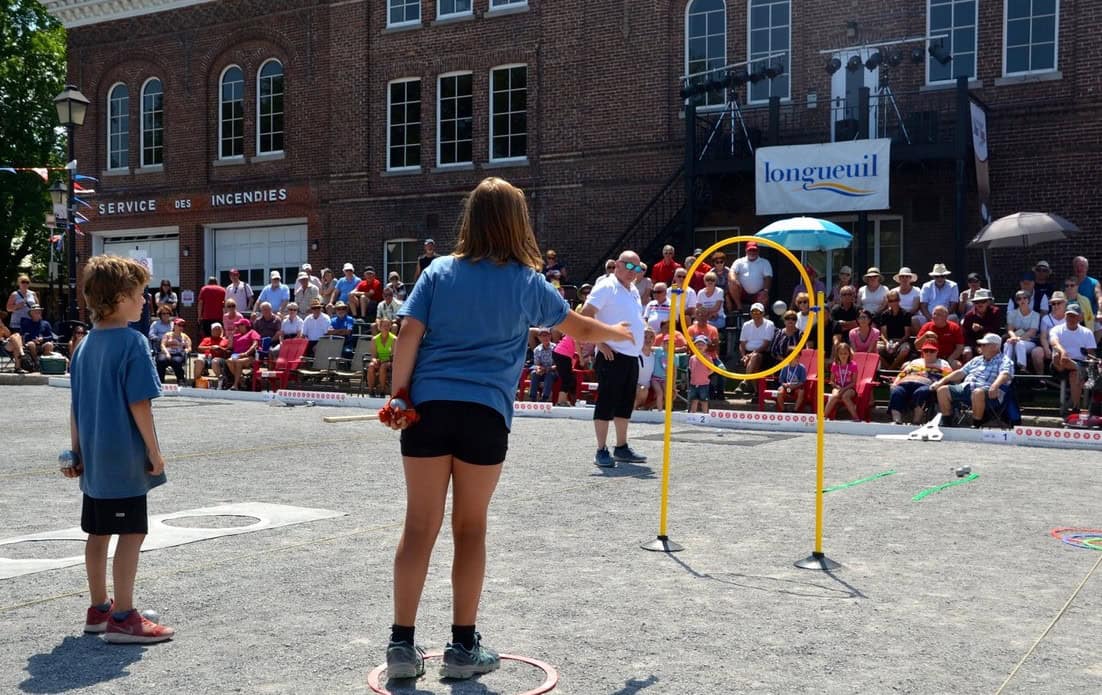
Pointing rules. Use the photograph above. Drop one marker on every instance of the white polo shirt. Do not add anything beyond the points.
(751, 274)
(616, 303)
(757, 337)
(314, 328)
(1073, 342)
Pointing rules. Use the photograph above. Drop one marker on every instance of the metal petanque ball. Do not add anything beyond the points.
(963, 471)
(151, 615)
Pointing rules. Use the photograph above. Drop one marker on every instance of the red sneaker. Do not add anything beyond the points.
(135, 629)
(96, 622)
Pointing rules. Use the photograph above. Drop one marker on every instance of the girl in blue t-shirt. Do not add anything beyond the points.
(454, 381)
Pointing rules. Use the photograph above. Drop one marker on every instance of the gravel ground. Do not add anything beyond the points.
(943, 595)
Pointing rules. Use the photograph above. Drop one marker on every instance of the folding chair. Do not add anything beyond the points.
(355, 366)
(287, 361)
(807, 359)
(327, 349)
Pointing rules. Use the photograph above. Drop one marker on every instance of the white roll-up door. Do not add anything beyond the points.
(256, 251)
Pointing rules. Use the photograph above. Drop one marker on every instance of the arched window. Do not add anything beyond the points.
(706, 44)
(153, 122)
(269, 108)
(231, 113)
(118, 127)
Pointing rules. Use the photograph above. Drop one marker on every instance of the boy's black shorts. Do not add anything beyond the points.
(101, 517)
(471, 432)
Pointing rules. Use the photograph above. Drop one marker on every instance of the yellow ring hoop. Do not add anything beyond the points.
(807, 329)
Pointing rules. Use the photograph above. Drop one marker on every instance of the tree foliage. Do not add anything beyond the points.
(32, 73)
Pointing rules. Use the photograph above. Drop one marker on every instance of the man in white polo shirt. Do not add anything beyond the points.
(315, 325)
(755, 338)
(615, 300)
(1071, 342)
(751, 277)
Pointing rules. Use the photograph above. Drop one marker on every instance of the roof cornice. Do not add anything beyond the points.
(79, 13)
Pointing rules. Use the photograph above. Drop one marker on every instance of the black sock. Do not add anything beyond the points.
(463, 634)
(401, 633)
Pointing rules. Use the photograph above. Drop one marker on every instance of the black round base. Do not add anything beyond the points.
(662, 544)
(817, 561)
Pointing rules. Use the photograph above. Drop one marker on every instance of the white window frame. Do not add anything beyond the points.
(406, 23)
(452, 15)
(749, 55)
(439, 99)
(874, 248)
(499, 5)
(490, 110)
(386, 260)
(110, 118)
(221, 103)
(685, 51)
(283, 74)
(951, 47)
(388, 123)
(1055, 45)
(141, 125)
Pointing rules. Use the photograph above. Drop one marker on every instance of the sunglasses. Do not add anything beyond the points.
(24, 282)
(633, 267)
(802, 301)
(1058, 301)
(893, 301)
(1069, 286)
(792, 320)
(707, 280)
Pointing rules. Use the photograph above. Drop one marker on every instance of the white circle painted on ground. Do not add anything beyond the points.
(550, 680)
(44, 549)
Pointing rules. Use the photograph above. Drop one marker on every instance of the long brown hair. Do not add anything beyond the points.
(495, 225)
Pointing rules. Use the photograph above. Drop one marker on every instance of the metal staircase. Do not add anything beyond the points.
(661, 221)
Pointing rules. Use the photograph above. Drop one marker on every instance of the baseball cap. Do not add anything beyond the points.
(243, 322)
(545, 330)
(1042, 264)
(307, 266)
(349, 266)
(234, 271)
(275, 275)
(1073, 309)
(179, 322)
(990, 339)
(845, 270)
(430, 241)
(304, 276)
(369, 269)
(929, 346)
(751, 245)
(757, 306)
(701, 339)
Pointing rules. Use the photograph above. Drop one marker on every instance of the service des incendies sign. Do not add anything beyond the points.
(832, 177)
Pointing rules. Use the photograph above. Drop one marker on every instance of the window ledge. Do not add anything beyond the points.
(1049, 76)
(952, 84)
(445, 168)
(453, 19)
(403, 172)
(117, 172)
(151, 169)
(229, 161)
(518, 8)
(269, 157)
(505, 163)
(404, 26)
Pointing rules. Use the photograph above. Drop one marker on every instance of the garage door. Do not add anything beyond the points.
(162, 249)
(256, 251)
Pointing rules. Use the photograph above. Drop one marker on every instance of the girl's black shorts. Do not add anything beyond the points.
(471, 432)
(108, 517)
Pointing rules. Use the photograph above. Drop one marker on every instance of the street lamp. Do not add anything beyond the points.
(72, 106)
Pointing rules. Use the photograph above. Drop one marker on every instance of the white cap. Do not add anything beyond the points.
(757, 306)
(349, 266)
(990, 339)
(275, 275)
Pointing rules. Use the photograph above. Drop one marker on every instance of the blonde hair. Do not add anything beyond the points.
(495, 225)
(107, 279)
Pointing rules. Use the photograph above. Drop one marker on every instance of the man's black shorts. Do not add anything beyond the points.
(471, 432)
(616, 384)
(106, 517)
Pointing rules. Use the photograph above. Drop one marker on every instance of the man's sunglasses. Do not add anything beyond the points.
(633, 267)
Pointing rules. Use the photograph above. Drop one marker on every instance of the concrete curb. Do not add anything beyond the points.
(1022, 435)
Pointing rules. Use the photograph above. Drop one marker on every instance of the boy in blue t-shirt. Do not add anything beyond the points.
(114, 444)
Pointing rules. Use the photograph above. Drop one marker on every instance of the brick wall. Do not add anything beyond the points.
(605, 123)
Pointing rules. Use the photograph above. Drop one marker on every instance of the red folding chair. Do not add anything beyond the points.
(290, 357)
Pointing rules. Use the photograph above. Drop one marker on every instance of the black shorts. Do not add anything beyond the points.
(471, 432)
(617, 381)
(101, 517)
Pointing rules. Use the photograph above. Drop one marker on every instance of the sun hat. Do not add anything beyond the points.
(905, 272)
(1057, 296)
(990, 339)
(349, 266)
(34, 307)
(940, 271)
(338, 305)
(982, 296)
(845, 270)
(275, 275)
(872, 272)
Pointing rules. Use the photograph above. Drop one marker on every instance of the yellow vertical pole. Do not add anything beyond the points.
(671, 377)
(820, 389)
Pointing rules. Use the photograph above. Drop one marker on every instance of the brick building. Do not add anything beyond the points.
(262, 134)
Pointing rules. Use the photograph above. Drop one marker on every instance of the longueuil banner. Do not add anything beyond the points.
(832, 177)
